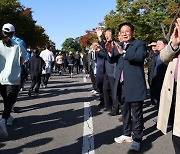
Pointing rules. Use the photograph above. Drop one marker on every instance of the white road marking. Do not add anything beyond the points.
(88, 139)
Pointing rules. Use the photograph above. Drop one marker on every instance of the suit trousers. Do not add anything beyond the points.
(107, 92)
(93, 79)
(132, 114)
(99, 85)
(9, 94)
(155, 92)
(108, 86)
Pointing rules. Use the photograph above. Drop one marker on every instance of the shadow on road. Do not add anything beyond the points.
(34, 125)
(20, 149)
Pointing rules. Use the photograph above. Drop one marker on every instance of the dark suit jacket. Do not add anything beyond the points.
(132, 64)
(157, 69)
(100, 64)
(109, 68)
(151, 65)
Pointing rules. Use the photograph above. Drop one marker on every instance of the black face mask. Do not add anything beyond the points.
(7, 41)
(7, 38)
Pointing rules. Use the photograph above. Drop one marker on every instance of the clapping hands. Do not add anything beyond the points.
(109, 46)
(119, 48)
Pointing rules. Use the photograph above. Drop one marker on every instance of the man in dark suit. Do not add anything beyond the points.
(109, 71)
(93, 48)
(100, 77)
(157, 70)
(130, 85)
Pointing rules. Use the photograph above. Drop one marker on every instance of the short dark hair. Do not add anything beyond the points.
(36, 52)
(48, 46)
(111, 30)
(126, 24)
(165, 41)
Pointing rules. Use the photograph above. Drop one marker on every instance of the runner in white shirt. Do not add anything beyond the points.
(48, 57)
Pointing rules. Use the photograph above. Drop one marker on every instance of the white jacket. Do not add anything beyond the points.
(10, 63)
(48, 57)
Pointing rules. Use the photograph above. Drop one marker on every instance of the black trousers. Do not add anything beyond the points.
(108, 86)
(132, 114)
(70, 67)
(9, 94)
(176, 143)
(155, 91)
(77, 67)
(151, 95)
(86, 67)
(59, 67)
(99, 85)
(93, 79)
(36, 81)
(24, 76)
(45, 78)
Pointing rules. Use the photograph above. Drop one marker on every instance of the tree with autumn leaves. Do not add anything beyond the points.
(88, 39)
(152, 19)
(11, 11)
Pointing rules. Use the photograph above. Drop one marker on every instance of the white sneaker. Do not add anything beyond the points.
(95, 92)
(123, 139)
(3, 131)
(135, 146)
(9, 121)
(92, 91)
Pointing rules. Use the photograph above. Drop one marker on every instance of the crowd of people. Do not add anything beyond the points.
(116, 69)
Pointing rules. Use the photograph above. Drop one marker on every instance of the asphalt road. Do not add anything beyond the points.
(53, 123)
